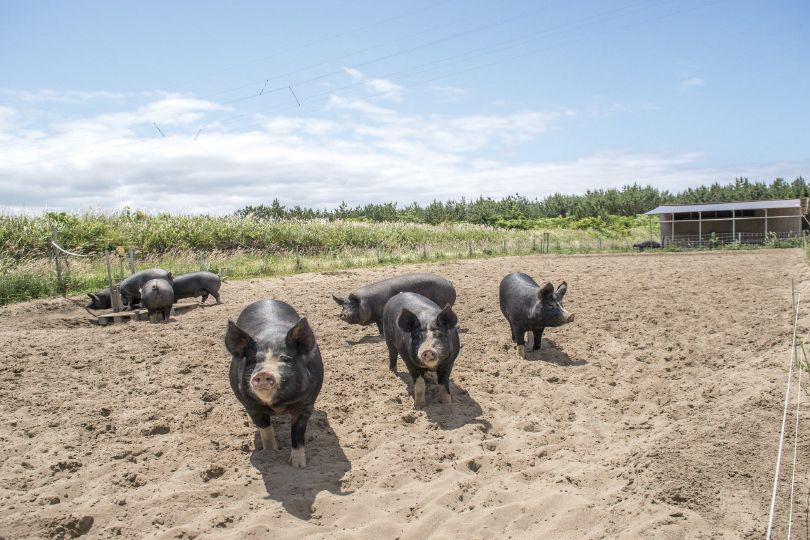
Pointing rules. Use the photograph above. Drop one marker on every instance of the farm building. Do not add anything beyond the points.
(747, 222)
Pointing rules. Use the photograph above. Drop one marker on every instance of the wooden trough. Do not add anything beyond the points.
(139, 314)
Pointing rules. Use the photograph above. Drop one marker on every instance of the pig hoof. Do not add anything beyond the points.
(298, 458)
(445, 396)
(521, 351)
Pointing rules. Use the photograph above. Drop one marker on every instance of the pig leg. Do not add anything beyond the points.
(443, 377)
(268, 437)
(520, 339)
(204, 297)
(392, 354)
(538, 337)
(216, 296)
(298, 456)
(380, 328)
(512, 331)
(392, 357)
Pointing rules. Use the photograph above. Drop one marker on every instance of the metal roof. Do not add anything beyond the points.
(707, 207)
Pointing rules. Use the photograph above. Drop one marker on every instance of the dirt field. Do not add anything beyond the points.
(655, 414)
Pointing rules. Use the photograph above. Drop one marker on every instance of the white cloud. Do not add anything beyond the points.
(691, 82)
(383, 88)
(362, 153)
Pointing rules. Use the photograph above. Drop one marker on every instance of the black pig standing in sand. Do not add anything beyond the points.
(131, 287)
(276, 368)
(197, 284)
(365, 305)
(157, 296)
(527, 306)
(426, 337)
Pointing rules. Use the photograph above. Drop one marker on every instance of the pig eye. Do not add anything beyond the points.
(285, 358)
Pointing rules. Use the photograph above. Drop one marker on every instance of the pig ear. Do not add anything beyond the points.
(561, 290)
(446, 318)
(408, 321)
(340, 301)
(547, 289)
(237, 341)
(300, 337)
(92, 296)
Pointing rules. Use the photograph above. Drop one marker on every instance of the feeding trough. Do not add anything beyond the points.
(139, 314)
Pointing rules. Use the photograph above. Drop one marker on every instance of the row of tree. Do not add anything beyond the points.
(602, 203)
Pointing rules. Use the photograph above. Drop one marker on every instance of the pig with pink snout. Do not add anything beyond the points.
(276, 368)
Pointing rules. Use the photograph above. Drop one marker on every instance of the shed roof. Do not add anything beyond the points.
(706, 207)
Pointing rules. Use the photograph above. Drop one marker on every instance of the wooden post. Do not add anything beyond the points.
(109, 270)
(766, 224)
(201, 259)
(115, 300)
(131, 260)
(60, 286)
(298, 257)
(120, 267)
(424, 251)
(700, 229)
(469, 248)
(600, 243)
(649, 219)
(504, 246)
(377, 252)
(534, 243)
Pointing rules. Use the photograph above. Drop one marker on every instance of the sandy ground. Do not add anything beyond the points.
(655, 414)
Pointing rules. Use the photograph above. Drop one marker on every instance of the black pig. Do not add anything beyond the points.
(157, 296)
(426, 338)
(276, 368)
(197, 284)
(100, 299)
(647, 244)
(527, 306)
(131, 287)
(365, 305)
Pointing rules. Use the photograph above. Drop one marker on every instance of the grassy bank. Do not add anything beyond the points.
(246, 247)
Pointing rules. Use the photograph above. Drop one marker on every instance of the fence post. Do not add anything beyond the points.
(424, 251)
(60, 286)
(546, 238)
(131, 260)
(377, 252)
(201, 260)
(115, 296)
(298, 257)
(534, 243)
(469, 248)
(504, 246)
(121, 267)
(600, 243)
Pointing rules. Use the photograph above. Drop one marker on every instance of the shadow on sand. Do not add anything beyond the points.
(550, 353)
(371, 338)
(464, 409)
(296, 489)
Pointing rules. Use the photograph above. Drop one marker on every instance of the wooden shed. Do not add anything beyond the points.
(746, 221)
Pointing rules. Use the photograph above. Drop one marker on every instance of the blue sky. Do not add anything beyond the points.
(398, 101)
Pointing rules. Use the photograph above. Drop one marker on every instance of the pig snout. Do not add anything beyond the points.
(263, 381)
(428, 356)
(570, 318)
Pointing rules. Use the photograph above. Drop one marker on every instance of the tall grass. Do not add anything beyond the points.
(247, 247)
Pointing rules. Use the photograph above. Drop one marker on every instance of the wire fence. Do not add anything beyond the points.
(65, 271)
(714, 240)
